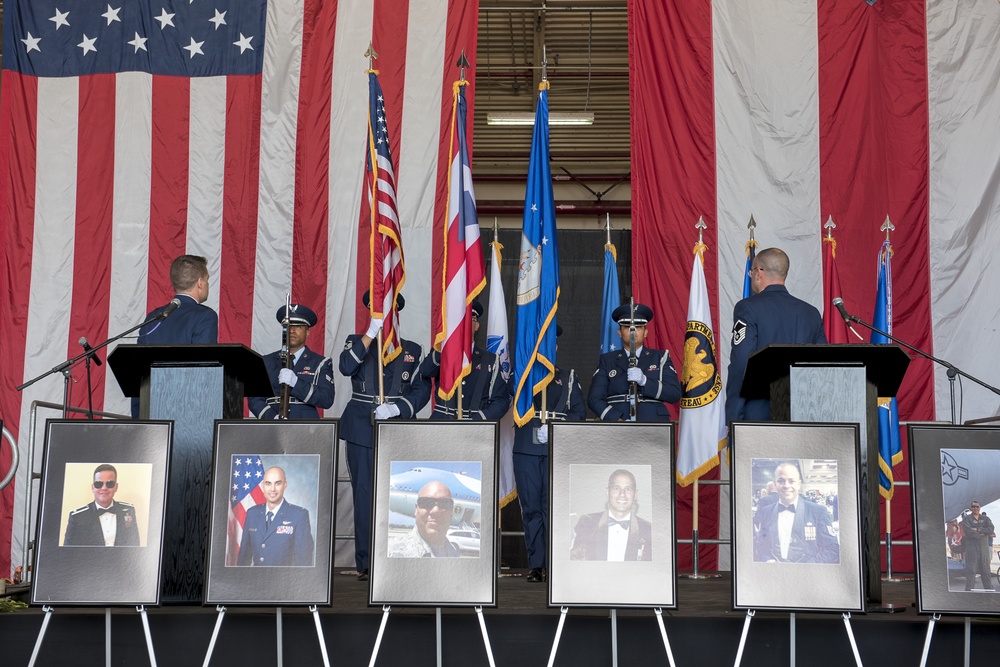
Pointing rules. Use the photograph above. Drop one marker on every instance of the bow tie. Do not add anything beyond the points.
(615, 522)
(101, 510)
(786, 508)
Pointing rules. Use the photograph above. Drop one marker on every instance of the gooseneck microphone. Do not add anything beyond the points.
(91, 352)
(174, 304)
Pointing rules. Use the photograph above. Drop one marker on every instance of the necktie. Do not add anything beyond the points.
(786, 508)
(267, 521)
(615, 522)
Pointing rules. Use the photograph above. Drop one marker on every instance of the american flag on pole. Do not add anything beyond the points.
(379, 214)
(123, 145)
(464, 271)
(244, 492)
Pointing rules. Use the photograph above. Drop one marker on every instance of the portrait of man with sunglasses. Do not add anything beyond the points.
(104, 522)
(432, 518)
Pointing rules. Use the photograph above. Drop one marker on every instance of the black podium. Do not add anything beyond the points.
(193, 385)
(835, 383)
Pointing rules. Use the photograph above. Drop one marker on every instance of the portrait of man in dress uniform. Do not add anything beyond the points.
(104, 522)
(276, 533)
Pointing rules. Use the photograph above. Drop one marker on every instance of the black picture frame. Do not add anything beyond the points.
(72, 566)
(949, 467)
(403, 571)
(820, 566)
(297, 569)
(586, 460)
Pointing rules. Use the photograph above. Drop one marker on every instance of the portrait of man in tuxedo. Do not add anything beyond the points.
(104, 522)
(794, 529)
(617, 533)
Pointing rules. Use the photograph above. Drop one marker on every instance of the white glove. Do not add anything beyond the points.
(287, 376)
(386, 411)
(636, 375)
(542, 435)
(373, 327)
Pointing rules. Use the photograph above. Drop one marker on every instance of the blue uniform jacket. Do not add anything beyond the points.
(772, 317)
(288, 541)
(192, 323)
(401, 380)
(84, 526)
(484, 391)
(608, 396)
(313, 390)
(564, 397)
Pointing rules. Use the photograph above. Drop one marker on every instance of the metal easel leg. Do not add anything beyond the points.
(486, 637)
(743, 637)
(215, 634)
(850, 635)
(279, 643)
(437, 619)
(968, 639)
(791, 640)
(107, 636)
(927, 640)
(378, 638)
(41, 635)
(319, 635)
(149, 637)
(614, 638)
(559, 629)
(663, 633)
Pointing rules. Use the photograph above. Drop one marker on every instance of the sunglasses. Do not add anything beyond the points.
(111, 484)
(430, 503)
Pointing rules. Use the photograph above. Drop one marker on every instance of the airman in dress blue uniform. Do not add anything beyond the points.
(190, 323)
(405, 395)
(484, 390)
(276, 533)
(310, 377)
(653, 374)
(563, 402)
(770, 316)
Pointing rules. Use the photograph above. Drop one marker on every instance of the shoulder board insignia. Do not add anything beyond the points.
(80, 509)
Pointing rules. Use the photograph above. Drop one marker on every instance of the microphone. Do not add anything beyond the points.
(839, 303)
(174, 304)
(91, 352)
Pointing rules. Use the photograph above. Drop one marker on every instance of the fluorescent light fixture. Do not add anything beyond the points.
(528, 118)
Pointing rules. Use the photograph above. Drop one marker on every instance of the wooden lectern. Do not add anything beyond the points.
(193, 385)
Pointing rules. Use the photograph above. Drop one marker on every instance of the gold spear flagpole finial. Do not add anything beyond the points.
(371, 55)
(829, 226)
(887, 227)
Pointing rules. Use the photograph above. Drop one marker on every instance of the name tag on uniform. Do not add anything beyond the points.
(285, 530)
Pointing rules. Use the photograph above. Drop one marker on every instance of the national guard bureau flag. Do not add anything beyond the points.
(702, 431)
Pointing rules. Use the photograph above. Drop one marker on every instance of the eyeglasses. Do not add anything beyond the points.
(430, 503)
(111, 484)
(755, 268)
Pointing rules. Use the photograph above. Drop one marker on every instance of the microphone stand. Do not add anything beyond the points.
(66, 367)
(953, 370)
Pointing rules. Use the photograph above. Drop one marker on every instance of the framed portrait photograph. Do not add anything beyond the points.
(796, 517)
(955, 474)
(434, 515)
(611, 512)
(101, 513)
(273, 496)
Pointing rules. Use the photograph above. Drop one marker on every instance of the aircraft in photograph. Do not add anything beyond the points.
(967, 475)
(465, 491)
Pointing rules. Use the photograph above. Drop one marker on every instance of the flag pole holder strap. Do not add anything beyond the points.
(437, 626)
(614, 636)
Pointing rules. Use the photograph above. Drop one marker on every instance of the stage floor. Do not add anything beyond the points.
(703, 630)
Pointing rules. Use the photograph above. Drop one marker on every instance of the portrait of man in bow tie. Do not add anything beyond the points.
(617, 533)
(790, 528)
(104, 522)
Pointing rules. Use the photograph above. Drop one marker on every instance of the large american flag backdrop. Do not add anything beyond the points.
(134, 133)
(796, 111)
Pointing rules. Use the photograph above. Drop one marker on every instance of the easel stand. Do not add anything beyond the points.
(278, 644)
(791, 636)
(930, 633)
(107, 635)
(614, 636)
(437, 624)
